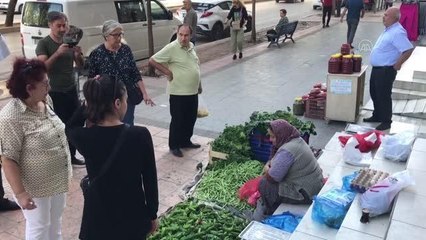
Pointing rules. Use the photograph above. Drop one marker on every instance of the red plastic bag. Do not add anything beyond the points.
(249, 188)
(363, 139)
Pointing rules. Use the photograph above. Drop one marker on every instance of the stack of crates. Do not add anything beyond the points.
(315, 108)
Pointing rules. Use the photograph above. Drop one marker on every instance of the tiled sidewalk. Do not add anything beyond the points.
(173, 174)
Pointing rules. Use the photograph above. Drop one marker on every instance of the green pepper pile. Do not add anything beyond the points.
(222, 180)
(191, 220)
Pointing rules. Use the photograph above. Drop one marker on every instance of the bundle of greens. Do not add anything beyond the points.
(260, 122)
(192, 220)
(235, 139)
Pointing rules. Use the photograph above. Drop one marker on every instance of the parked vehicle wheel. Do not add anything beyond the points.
(277, 1)
(314, 7)
(217, 32)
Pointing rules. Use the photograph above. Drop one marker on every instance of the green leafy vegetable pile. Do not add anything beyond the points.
(191, 220)
(235, 139)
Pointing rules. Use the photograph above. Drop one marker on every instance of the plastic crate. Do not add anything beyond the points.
(315, 108)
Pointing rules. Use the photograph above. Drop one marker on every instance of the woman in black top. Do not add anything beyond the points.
(126, 203)
(238, 16)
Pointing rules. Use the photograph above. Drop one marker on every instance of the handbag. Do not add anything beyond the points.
(85, 183)
(236, 25)
(134, 93)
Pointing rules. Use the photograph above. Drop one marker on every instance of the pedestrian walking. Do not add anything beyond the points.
(190, 18)
(388, 4)
(34, 150)
(238, 17)
(327, 6)
(390, 51)
(115, 58)
(179, 62)
(59, 58)
(5, 204)
(355, 11)
(122, 201)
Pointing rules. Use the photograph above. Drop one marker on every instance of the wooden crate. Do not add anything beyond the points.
(214, 154)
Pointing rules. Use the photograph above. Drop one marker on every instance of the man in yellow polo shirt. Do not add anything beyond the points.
(179, 62)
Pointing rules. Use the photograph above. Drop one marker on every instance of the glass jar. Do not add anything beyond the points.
(334, 63)
(345, 49)
(347, 64)
(357, 61)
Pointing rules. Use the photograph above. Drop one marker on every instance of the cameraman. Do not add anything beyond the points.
(59, 58)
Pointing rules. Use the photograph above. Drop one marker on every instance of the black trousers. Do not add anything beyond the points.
(271, 31)
(381, 81)
(326, 11)
(1, 186)
(65, 104)
(183, 110)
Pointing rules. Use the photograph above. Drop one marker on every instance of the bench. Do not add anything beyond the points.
(286, 30)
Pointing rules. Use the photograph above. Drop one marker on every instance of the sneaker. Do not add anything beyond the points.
(352, 47)
(177, 152)
(77, 162)
(240, 55)
(8, 205)
(192, 145)
(323, 26)
(383, 126)
(327, 25)
(370, 119)
(234, 57)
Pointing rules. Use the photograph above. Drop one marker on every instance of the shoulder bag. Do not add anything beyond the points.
(86, 184)
(134, 93)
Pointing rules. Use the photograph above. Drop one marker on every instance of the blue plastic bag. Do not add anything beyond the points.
(347, 180)
(331, 207)
(285, 221)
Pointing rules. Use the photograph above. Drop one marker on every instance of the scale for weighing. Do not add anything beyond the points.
(259, 231)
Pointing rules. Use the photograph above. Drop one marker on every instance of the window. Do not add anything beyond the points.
(201, 7)
(35, 13)
(130, 11)
(158, 12)
(224, 5)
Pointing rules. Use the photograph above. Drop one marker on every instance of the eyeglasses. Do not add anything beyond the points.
(116, 35)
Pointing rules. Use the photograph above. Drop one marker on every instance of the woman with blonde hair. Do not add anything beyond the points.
(238, 17)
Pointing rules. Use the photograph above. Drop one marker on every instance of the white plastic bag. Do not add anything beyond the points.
(398, 147)
(378, 198)
(353, 156)
(202, 108)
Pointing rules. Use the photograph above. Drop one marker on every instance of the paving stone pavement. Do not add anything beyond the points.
(173, 173)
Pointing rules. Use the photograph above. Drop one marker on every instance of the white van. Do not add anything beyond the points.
(89, 15)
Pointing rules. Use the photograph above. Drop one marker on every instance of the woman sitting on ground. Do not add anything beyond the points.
(283, 20)
(292, 175)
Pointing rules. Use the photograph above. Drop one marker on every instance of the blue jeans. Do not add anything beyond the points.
(129, 117)
(352, 26)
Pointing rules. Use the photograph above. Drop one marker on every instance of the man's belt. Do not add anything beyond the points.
(381, 67)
